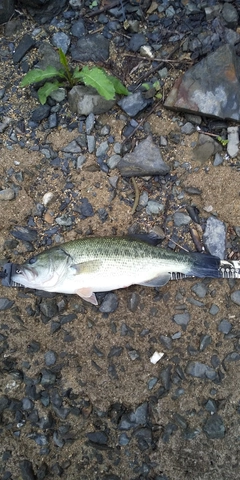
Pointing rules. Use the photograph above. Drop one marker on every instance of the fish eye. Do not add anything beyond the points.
(19, 272)
(32, 260)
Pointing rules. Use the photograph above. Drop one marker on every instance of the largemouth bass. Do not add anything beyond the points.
(91, 265)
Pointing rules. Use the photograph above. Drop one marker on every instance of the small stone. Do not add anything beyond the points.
(214, 237)
(50, 358)
(72, 147)
(235, 297)
(200, 370)
(181, 219)
(154, 208)
(61, 40)
(102, 149)
(109, 304)
(214, 427)
(5, 303)
(233, 141)
(78, 28)
(113, 161)
(205, 340)
(26, 470)
(91, 143)
(200, 290)
(156, 357)
(100, 438)
(86, 208)
(58, 95)
(81, 160)
(182, 319)
(218, 160)
(188, 128)
(225, 326)
(7, 194)
(47, 198)
(64, 220)
(214, 309)
(133, 104)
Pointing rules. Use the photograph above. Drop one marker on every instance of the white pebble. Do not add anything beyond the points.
(156, 357)
(47, 197)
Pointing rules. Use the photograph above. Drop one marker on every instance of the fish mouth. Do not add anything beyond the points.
(22, 275)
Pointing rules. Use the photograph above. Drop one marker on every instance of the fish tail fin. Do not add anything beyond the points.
(205, 265)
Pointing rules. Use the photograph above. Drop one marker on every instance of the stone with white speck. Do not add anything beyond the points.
(156, 357)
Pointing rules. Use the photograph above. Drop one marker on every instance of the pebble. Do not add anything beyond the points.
(113, 161)
(78, 28)
(200, 290)
(91, 143)
(182, 319)
(214, 237)
(200, 370)
(154, 208)
(205, 341)
(89, 124)
(188, 128)
(26, 470)
(102, 149)
(61, 40)
(146, 159)
(181, 219)
(214, 427)
(235, 297)
(233, 141)
(225, 326)
(109, 304)
(50, 358)
(214, 309)
(5, 303)
(72, 147)
(7, 194)
(81, 160)
(133, 104)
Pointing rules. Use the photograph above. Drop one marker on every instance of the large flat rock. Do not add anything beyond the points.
(212, 87)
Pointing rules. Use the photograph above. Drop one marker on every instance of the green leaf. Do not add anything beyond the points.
(37, 75)
(156, 85)
(99, 80)
(63, 58)
(146, 86)
(118, 86)
(45, 91)
(93, 4)
(158, 95)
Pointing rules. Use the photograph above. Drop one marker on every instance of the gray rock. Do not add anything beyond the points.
(218, 160)
(113, 161)
(154, 208)
(214, 309)
(40, 113)
(25, 234)
(214, 427)
(6, 121)
(93, 48)
(89, 124)
(181, 219)
(72, 147)
(146, 159)
(86, 208)
(102, 149)
(49, 56)
(233, 141)
(100, 438)
(205, 341)
(26, 470)
(65, 220)
(50, 358)
(143, 199)
(200, 290)
(188, 128)
(133, 302)
(109, 304)
(25, 44)
(85, 100)
(6, 10)
(235, 297)
(200, 370)
(181, 319)
(208, 88)
(7, 194)
(61, 40)
(133, 104)
(230, 15)
(214, 237)
(78, 28)
(224, 326)
(48, 307)
(58, 95)
(91, 143)
(136, 41)
(81, 160)
(205, 148)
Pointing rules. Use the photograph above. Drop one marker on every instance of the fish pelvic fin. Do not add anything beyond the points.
(87, 294)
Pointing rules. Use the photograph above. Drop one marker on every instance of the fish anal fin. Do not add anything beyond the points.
(87, 294)
(157, 281)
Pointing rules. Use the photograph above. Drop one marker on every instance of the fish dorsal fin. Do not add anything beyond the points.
(87, 294)
(157, 281)
(90, 266)
(149, 238)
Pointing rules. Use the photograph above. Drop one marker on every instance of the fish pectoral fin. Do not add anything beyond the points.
(85, 267)
(87, 294)
(157, 281)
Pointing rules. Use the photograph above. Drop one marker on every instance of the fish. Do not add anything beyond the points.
(100, 264)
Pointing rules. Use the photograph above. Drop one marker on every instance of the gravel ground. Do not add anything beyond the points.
(81, 394)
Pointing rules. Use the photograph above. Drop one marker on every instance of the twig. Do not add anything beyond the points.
(137, 194)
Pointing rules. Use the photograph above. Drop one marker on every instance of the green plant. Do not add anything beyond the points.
(106, 85)
(156, 85)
